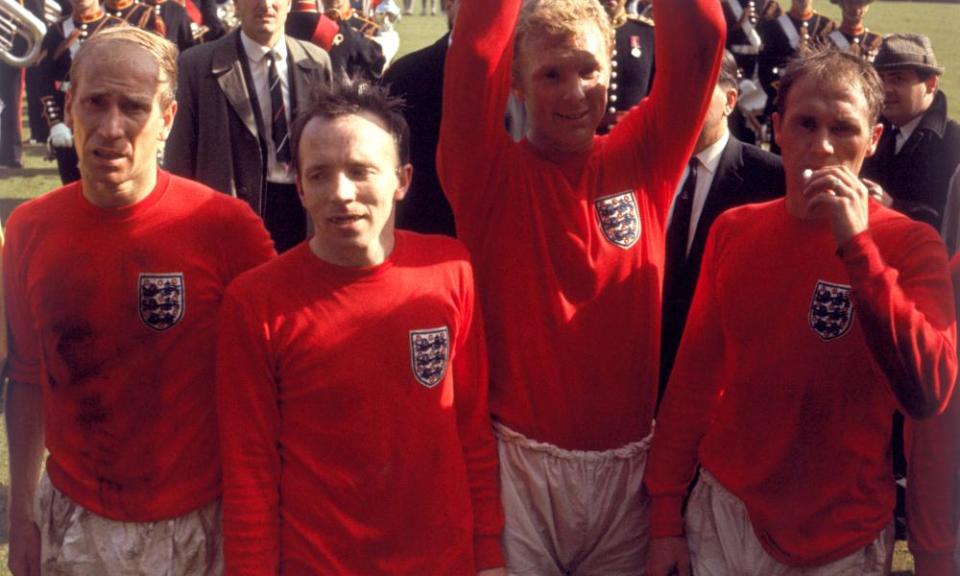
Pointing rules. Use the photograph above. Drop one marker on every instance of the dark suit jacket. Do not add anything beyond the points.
(918, 177)
(215, 139)
(745, 174)
(418, 79)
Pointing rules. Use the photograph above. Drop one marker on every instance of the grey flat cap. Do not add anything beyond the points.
(907, 51)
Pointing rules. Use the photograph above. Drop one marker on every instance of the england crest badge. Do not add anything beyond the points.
(161, 300)
(619, 219)
(831, 310)
(429, 353)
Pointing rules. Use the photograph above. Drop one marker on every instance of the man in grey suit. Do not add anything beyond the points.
(723, 173)
(234, 138)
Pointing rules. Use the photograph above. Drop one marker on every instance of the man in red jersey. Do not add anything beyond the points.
(112, 286)
(565, 229)
(352, 379)
(815, 317)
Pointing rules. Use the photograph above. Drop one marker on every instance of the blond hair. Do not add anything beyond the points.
(563, 18)
(163, 52)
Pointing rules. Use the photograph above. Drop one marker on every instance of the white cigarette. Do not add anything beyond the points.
(807, 174)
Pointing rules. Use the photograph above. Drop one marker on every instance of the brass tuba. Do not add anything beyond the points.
(15, 20)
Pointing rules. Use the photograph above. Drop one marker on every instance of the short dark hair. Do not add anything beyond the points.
(829, 64)
(349, 96)
(729, 72)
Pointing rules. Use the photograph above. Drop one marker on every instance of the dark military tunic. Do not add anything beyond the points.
(866, 44)
(136, 13)
(351, 52)
(782, 37)
(743, 37)
(632, 67)
(53, 71)
(176, 22)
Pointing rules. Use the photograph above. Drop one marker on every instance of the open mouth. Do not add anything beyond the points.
(108, 155)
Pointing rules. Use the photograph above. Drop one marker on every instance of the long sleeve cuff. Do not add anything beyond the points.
(487, 551)
(666, 517)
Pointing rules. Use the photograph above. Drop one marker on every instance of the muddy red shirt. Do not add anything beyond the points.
(113, 312)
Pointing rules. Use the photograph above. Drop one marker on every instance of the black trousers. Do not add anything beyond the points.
(283, 215)
(11, 136)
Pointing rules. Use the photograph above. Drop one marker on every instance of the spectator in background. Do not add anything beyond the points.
(920, 148)
(722, 173)
(60, 44)
(236, 139)
(851, 35)
(352, 54)
(417, 78)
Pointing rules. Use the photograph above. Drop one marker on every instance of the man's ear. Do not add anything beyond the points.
(775, 120)
(169, 113)
(405, 177)
(875, 135)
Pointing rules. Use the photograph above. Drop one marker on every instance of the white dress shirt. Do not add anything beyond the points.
(709, 159)
(905, 131)
(257, 59)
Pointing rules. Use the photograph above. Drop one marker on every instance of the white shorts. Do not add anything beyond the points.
(77, 542)
(573, 512)
(722, 541)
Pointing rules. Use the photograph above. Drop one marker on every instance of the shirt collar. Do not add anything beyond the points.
(256, 52)
(907, 129)
(709, 157)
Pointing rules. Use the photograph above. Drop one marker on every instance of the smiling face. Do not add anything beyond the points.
(824, 124)
(563, 82)
(263, 20)
(349, 178)
(118, 122)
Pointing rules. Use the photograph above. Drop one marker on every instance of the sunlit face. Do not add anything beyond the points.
(905, 96)
(824, 124)
(118, 121)
(83, 7)
(563, 83)
(263, 20)
(853, 11)
(349, 180)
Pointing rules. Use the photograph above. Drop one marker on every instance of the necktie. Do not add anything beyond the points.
(894, 139)
(281, 139)
(679, 228)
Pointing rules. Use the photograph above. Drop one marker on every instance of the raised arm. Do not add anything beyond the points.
(476, 433)
(657, 136)
(475, 90)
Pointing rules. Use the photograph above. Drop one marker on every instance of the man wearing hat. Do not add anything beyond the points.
(920, 147)
(852, 36)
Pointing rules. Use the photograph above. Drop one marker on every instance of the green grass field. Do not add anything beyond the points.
(939, 21)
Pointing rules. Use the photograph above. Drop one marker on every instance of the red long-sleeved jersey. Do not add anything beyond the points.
(355, 431)
(569, 254)
(790, 368)
(114, 313)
